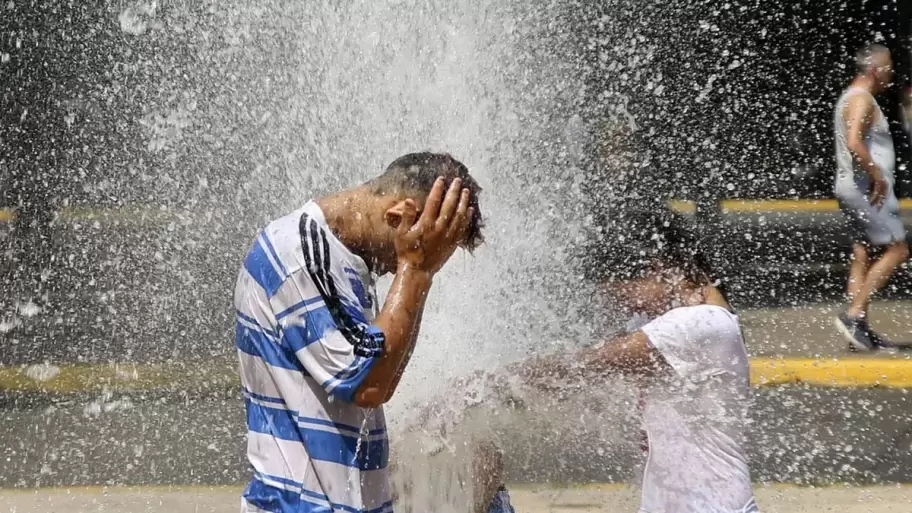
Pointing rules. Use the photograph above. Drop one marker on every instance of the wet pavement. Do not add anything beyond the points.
(809, 330)
(804, 435)
(772, 499)
(192, 435)
(178, 435)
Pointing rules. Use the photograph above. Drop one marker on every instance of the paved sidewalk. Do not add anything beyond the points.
(608, 498)
(809, 331)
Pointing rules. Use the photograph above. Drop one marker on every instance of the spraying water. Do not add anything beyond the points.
(329, 93)
(196, 122)
(364, 82)
(206, 120)
(340, 90)
(232, 113)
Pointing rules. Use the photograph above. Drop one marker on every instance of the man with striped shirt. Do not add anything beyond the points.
(316, 364)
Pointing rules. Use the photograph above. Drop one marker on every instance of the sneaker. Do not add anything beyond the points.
(879, 341)
(854, 332)
(501, 502)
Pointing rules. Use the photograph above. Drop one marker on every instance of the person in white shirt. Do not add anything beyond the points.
(316, 364)
(690, 360)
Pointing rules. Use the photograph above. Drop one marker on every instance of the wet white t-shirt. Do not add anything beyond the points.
(696, 416)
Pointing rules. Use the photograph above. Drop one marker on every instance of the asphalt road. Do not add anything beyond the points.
(617, 499)
(797, 435)
(809, 330)
(151, 285)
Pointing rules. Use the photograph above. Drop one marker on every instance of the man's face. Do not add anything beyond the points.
(882, 70)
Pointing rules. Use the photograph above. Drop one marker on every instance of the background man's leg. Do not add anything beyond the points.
(858, 271)
(879, 273)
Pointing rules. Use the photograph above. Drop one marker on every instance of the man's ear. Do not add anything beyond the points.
(393, 215)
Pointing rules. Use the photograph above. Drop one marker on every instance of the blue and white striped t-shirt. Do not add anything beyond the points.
(304, 306)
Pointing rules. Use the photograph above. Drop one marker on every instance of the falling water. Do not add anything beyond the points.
(331, 92)
(193, 124)
(363, 82)
(167, 133)
(374, 80)
(323, 95)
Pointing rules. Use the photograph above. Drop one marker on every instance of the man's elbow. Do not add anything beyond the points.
(856, 146)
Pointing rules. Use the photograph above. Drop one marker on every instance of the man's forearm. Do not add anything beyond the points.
(863, 157)
(398, 320)
(408, 356)
(552, 371)
(630, 353)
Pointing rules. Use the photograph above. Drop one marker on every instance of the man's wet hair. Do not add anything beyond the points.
(636, 243)
(414, 174)
(864, 58)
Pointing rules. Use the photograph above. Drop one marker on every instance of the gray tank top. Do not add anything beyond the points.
(878, 141)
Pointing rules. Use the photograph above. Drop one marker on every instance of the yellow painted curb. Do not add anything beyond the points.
(682, 207)
(841, 372)
(207, 376)
(141, 213)
(187, 376)
(760, 206)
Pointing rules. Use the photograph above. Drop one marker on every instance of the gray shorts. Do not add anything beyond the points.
(870, 225)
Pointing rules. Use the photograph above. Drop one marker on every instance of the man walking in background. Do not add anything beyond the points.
(864, 187)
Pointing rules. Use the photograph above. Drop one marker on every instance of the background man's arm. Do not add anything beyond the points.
(859, 115)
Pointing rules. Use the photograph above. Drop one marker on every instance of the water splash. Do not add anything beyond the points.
(137, 18)
(497, 412)
(352, 86)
